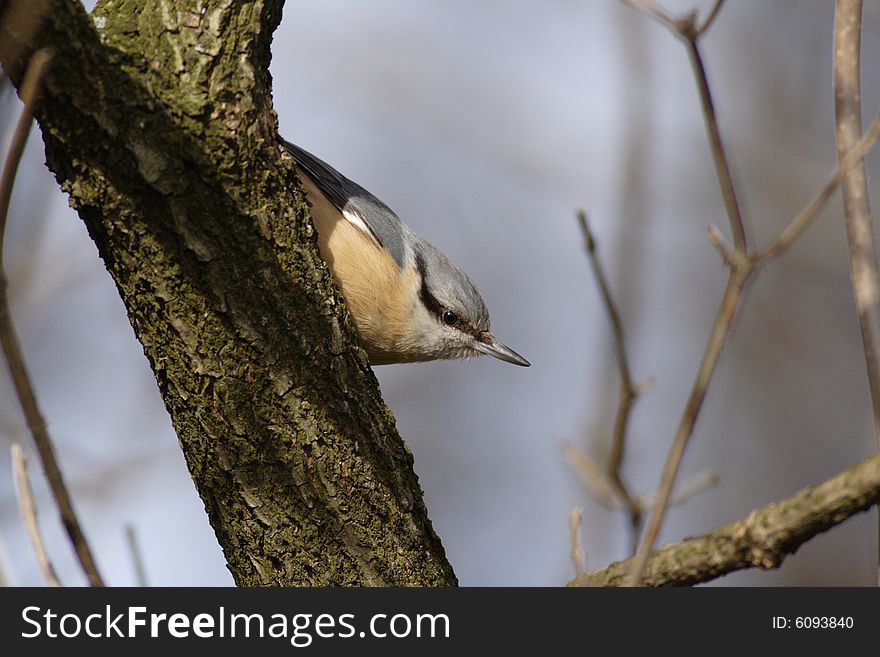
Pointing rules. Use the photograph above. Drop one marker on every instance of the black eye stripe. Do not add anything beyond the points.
(437, 308)
(428, 299)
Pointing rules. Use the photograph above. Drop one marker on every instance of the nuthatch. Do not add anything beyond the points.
(409, 301)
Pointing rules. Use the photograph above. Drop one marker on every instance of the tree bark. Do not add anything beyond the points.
(158, 123)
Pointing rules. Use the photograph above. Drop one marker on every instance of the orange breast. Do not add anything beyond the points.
(378, 295)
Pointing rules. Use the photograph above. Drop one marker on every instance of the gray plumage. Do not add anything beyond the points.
(385, 226)
(438, 313)
(445, 286)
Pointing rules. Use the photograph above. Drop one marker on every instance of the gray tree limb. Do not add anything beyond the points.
(763, 539)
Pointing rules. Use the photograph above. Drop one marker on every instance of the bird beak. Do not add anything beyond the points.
(487, 344)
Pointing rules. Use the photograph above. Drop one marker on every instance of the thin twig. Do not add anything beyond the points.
(727, 252)
(29, 514)
(11, 347)
(29, 92)
(574, 535)
(854, 186)
(137, 558)
(693, 486)
(740, 271)
(713, 14)
(719, 157)
(605, 493)
(761, 540)
(720, 330)
(654, 11)
(806, 216)
(629, 392)
(5, 578)
(687, 29)
(593, 477)
(742, 266)
(684, 26)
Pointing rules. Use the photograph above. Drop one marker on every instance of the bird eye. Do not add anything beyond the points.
(449, 318)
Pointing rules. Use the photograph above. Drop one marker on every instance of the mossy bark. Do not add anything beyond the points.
(763, 539)
(158, 123)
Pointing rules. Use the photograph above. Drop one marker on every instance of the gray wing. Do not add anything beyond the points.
(356, 204)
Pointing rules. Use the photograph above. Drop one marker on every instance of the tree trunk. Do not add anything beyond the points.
(158, 122)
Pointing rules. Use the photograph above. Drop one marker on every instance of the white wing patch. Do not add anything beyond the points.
(356, 219)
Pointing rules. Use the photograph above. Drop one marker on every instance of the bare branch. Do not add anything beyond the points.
(592, 476)
(762, 540)
(693, 486)
(29, 514)
(713, 14)
(723, 321)
(11, 347)
(577, 550)
(686, 28)
(806, 216)
(137, 558)
(30, 89)
(741, 264)
(604, 491)
(655, 11)
(719, 157)
(740, 273)
(629, 392)
(5, 578)
(718, 241)
(856, 202)
(859, 226)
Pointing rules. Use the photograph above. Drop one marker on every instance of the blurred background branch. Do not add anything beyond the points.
(29, 514)
(740, 271)
(578, 559)
(856, 200)
(740, 263)
(629, 391)
(137, 558)
(30, 90)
